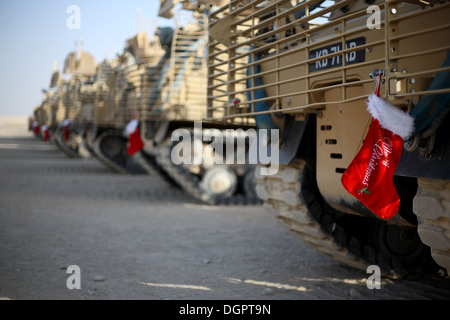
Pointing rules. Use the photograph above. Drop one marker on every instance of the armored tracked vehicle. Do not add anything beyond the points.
(308, 68)
(49, 113)
(172, 112)
(75, 100)
(115, 102)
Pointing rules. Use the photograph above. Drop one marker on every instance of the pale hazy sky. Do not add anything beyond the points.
(34, 34)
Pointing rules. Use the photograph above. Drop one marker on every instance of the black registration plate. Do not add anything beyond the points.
(336, 61)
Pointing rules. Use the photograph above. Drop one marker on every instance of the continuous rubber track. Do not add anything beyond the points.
(59, 142)
(292, 196)
(190, 183)
(148, 163)
(432, 205)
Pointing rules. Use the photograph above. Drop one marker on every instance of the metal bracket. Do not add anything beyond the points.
(376, 72)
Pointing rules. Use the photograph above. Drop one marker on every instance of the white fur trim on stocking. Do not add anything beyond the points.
(390, 117)
(131, 126)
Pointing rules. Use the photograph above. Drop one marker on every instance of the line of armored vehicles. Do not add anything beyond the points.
(285, 82)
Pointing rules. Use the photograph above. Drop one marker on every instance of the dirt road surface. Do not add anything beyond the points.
(135, 237)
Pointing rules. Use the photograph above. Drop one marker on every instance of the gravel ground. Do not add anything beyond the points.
(135, 237)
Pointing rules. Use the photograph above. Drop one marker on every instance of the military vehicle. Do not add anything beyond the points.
(118, 85)
(173, 99)
(307, 68)
(48, 113)
(75, 99)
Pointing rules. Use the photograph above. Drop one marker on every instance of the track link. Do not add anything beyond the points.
(432, 206)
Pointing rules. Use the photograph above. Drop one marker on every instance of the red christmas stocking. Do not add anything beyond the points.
(369, 176)
(66, 133)
(135, 142)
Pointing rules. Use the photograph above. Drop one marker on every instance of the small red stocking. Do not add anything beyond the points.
(66, 129)
(369, 177)
(66, 133)
(46, 134)
(135, 142)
